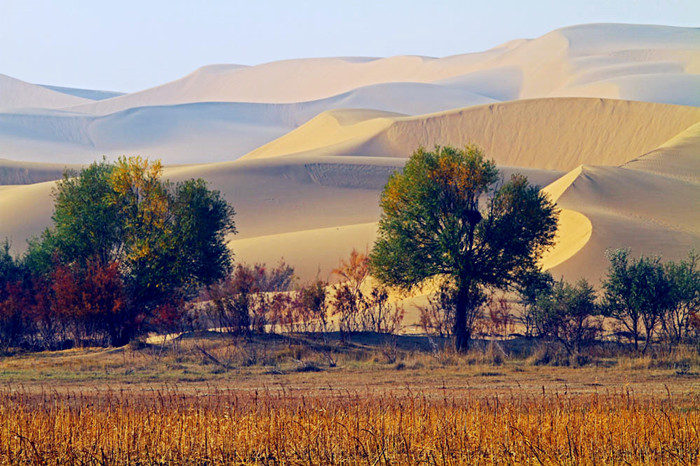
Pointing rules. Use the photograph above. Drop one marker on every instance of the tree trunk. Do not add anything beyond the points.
(461, 332)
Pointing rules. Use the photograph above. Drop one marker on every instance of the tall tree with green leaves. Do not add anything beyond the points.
(166, 238)
(448, 216)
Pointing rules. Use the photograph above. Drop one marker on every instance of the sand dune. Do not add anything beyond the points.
(291, 81)
(547, 66)
(649, 213)
(16, 94)
(678, 157)
(323, 135)
(220, 112)
(650, 205)
(92, 94)
(574, 229)
(555, 134)
(201, 132)
(19, 173)
(198, 132)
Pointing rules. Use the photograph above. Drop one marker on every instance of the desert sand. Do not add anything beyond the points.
(606, 118)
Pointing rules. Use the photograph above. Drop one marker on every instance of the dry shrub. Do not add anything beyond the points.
(437, 318)
(360, 309)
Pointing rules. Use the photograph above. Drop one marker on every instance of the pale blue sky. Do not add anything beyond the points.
(129, 45)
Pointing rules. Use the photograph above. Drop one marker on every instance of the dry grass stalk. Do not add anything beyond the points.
(373, 428)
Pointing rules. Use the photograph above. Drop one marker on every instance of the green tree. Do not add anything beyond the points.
(166, 239)
(637, 294)
(684, 278)
(446, 215)
(566, 312)
(533, 285)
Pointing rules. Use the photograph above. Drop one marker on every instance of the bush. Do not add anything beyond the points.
(362, 308)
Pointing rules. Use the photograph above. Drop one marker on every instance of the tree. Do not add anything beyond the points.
(165, 239)
(252, 297)
(637, 294)
(13, 299)
(684, 307)
(446, 216)
(566, 313)
(310, 301)
(531, 288)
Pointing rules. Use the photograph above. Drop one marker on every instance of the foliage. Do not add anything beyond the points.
(252, 297)
(567, 313)
(12, 300)
(534, 284)
(637, 294)
(682, 318)
(311, 303)
(500, 318)
(119, 222)
(437, 317)
(446, 215)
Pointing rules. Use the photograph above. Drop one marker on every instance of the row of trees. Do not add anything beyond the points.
(86, 307)
(130, 253)
(641, 301)
(643, 298)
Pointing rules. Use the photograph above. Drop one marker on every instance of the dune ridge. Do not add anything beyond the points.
(547, 66)
(549, 133)
(18, 94)
(244, 107)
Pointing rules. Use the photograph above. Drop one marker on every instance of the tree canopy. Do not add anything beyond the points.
(448, 215)
(165, 238)
(638, 293)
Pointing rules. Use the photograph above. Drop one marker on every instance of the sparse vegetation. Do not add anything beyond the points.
(129, 254)
(394, 427)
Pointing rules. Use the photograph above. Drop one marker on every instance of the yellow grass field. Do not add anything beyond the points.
(275, 400)
(343, 427)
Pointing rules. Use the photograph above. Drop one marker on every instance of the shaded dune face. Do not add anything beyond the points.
(604, 117)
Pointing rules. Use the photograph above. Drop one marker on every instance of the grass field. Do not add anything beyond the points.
(281, 400)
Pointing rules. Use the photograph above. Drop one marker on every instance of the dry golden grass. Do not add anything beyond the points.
(340, 427)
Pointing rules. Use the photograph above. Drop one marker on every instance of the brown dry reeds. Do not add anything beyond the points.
(232, 427)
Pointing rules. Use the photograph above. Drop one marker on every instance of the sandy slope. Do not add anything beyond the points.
(17, 173)
(574, 229)
(15, 94)
(678, 157)
(564, 62)
(324, 135)
(649, 213)
(196, 132)
(649, 205)
(91, 94)
(25, 211)
(177, 134)
(541, 133)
